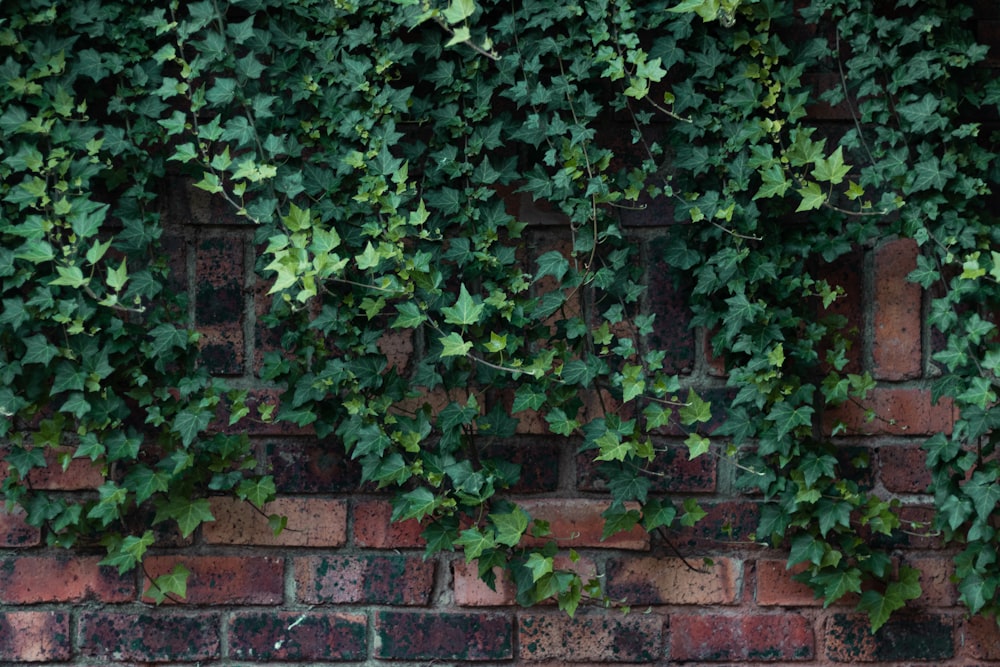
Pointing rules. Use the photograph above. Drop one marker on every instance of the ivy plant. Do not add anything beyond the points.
(382, 151)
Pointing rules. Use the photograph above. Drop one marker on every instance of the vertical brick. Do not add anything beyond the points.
(937, 588)
(849, 638)
(578, 523)
(63, 578)
(372, 579)
(896, 324)
(15, 531)
(644, 581)
(602, 637)
(897, 411)
(298, 637)
(443, 636)
(903, 468)
(219, 275)
(373, 528)
(159, 637)
(34, 636)
(312, 522)
(312, 466)
(763, 638)
(225, 579)
(667, 299)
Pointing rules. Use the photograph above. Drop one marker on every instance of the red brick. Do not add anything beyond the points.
(63, 578)
(374, 529)
(299, 637)
(644, 581)
(903, 468)
(34, 636)
(724, 523)
(311, 466)
(15, 531)
(471, 591)
(433, 636)
(937, 588)
(898, 411)
(979, 638)
(150, 637)
(600, 637)
(312, 522)
(397, 346)
(666, 298)
(672, 471)
(578, 523)
(765, 638)
(372, 579)
(225, 579)
(775, 586)
(822, 81)
(896, 349)
(905, 636)
(80, 474)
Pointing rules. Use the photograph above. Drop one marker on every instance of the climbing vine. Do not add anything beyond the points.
(383, 152)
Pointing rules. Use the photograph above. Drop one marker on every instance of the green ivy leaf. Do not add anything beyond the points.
(510, 526)
(465, 311)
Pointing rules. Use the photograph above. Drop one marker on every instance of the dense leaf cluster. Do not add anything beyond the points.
(377, 147)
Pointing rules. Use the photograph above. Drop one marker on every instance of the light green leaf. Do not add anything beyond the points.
(465, 311)
(453, 345)
(510, 526)
(812, 197)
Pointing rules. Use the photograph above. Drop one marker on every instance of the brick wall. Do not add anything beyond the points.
(344, 586)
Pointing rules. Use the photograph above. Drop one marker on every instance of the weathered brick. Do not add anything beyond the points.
(849, 639)
(539, 460)
(312, 522)
(299, 637)
(312, 466)
(902, 468)
(15, 531)
(373, 528)
(443, 636)
(979, 638)
(371, 579)
(758, 638)
(672, 471)
(63, 578)
(724, 523)
(35, 636)
(644, 581)
(80, 474)
(896, 323)
(578, 523)
(600, 637)
(150, 637)
(897, 411)
(225, 579)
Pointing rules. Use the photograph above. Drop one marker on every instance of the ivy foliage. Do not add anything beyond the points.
(378, 147)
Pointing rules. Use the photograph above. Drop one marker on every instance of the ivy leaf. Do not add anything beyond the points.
(174, 583)
(831, 169)
(143, 481)
(190, 422)
(617, 519)
(39, 350)
(560, 423)
(258, 491)
(812, 197)
(410, 316)
(656, 514)
(552, 263)
(189, 513)
(697, 445)
(539, 565)
(465, 311)
(984, 491)
(510, 526)
(474, 542)
(453, 345)
(788, 417)
(836, 585)
(880, 606)
(695, 410)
